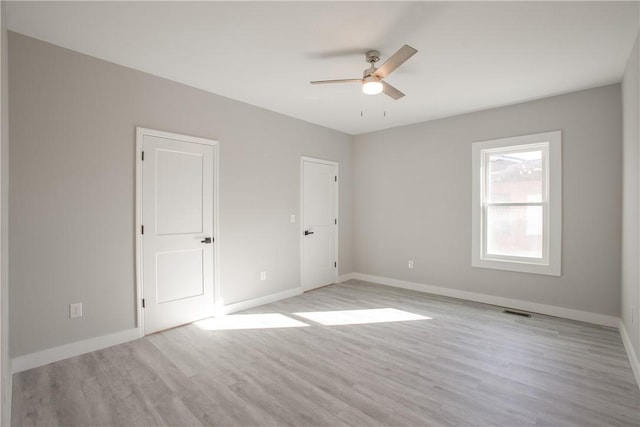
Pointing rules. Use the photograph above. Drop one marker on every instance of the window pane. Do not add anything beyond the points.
(514, 177)
(514, 231)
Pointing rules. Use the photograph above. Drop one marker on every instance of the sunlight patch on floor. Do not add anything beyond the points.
(249, 321)
(358, 317)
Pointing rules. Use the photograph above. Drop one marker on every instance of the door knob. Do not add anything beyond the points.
(307, 232)
(206, 240)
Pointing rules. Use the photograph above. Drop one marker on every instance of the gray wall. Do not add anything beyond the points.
(5, 367)
(631, 194)
(412, 200)
(73, 120)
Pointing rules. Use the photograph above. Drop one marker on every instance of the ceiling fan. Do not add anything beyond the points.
(373, 78)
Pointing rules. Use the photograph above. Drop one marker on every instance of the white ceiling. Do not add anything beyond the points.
(472, 55)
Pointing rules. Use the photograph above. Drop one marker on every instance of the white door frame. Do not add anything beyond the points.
(301, 231)
(140, 133)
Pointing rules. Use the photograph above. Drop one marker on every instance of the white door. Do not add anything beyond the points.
(177, 238)
(319, 223)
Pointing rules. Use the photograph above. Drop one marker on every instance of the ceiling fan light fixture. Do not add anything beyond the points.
(372, 86)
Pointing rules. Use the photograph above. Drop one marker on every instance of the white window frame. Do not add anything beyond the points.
(551, 261)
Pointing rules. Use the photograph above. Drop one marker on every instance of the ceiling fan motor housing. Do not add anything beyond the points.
(369, 71)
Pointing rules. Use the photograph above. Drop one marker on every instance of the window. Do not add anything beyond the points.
(517, 204)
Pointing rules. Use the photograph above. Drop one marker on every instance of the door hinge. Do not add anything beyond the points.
(335, 264)
(142, 302)
(142, 229)
(335, 221)
(143, 156)
(335, 178)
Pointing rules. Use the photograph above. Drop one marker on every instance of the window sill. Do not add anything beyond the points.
(518, 266)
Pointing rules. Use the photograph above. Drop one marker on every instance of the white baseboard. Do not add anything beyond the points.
(44, 357)
(250, 303)
(633, 357)
(345, 277)
(551, 310)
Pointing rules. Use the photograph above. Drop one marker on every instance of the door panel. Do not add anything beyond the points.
(177, 214)
(319, 215)
(184, 267)
(179, 192)
(318, 199)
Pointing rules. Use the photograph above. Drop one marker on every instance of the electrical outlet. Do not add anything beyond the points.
(410, 264)
(263, 275)
(75, 310)
(292, 218)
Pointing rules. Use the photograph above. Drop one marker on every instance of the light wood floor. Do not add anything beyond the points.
(469, 364)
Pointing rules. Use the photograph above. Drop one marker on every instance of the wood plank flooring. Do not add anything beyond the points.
(469, 364)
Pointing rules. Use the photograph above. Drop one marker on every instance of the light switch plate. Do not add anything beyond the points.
(75, 310)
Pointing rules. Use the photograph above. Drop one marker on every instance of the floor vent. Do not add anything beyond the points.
(516, 313)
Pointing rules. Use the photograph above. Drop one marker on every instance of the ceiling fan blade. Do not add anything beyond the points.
(322, 82)
(392, 91)
(396, 60)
